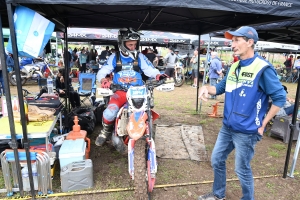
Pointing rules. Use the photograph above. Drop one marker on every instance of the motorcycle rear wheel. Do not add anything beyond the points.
(179, 80)
(140, 170)
(12, 78)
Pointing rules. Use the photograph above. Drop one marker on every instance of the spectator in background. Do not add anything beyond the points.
(82, 61)
(61, 88)
(145, 51)
(75, 59)
(104, 54)
(170, 59)
(215, 70)
(92, 55)
(67, 57)
(289, 63)
(10, 62)
(112, 51)
(194, 65)
(151, 57)
(235, 58)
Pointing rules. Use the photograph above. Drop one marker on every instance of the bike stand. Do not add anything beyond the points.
(215, 111)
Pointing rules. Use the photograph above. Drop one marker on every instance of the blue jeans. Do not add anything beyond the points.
(213, 82)
(244, 145)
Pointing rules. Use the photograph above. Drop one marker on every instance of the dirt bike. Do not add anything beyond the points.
(31, 72)
(179, 77)
(134, 132)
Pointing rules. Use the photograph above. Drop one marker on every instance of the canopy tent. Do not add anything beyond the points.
(97, 36)
(189, 17)
(287, 32)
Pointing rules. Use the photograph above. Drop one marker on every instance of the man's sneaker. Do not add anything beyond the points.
(209, 196)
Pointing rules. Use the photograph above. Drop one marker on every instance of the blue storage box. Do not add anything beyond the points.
(10, 156)
(71, 151)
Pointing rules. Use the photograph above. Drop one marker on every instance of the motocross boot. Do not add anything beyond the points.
(105, 132)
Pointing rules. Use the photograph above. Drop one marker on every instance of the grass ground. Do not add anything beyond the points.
(179, 106)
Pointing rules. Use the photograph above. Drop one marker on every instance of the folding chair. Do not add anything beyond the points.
(87, 86)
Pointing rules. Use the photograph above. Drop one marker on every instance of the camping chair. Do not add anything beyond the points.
(87, 86)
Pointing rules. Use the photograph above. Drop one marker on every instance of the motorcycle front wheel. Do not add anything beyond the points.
(12, 78)
(140, 168)
(179, 79)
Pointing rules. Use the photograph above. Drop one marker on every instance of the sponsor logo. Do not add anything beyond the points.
(242, 93)
(250, 33)
(258, 107)
(247, 74)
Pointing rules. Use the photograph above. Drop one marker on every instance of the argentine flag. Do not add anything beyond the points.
(33, 31)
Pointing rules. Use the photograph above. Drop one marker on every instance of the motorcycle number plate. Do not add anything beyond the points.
(137, 92)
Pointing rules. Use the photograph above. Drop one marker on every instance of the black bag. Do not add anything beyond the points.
(86, 117)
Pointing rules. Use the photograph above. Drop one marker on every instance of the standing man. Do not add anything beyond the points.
(215, 69)
(247, 87)
(289, 63)
(151, 57)
(170, 59)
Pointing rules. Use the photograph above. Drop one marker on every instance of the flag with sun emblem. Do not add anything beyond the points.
(33, 32)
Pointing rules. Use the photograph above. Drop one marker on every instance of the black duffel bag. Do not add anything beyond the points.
(86, 118)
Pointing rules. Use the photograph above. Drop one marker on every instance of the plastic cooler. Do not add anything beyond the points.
(71, 151)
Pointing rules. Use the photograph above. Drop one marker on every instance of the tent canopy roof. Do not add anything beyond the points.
(189, 17)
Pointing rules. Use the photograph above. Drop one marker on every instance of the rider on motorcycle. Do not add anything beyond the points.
(127, 65)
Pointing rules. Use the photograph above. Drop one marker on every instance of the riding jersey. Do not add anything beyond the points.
(127, 75)
(247, 87)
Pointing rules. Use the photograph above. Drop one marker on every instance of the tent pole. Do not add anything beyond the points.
(10, 14)
(13, 143)
(199, 37)
(66, 61)
(292, 131)
(206, 66)
(56, 52)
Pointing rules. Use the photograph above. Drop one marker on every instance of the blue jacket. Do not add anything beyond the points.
(126, 75)
(247, 94)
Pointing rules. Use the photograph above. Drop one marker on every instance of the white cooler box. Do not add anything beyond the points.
(71, 151)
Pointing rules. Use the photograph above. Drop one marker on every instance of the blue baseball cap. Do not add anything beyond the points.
(244, 31)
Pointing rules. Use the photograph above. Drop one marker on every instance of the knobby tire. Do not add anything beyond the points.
(140, 182)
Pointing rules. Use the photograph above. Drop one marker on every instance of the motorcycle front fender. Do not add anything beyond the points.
(137, 125)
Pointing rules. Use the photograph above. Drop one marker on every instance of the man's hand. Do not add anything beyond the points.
(261, 130)
(203, 93)
(160, 77)
(105, 83)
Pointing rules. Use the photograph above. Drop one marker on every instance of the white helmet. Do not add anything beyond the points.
(128, 34)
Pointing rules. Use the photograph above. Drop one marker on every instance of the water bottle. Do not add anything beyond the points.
(35, 176)
(25, 179)
(50, 85)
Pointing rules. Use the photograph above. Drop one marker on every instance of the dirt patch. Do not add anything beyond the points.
(178, 106)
